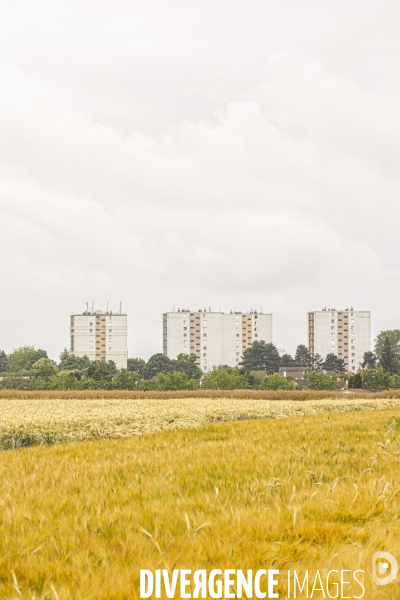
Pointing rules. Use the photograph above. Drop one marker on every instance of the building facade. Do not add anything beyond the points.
(100, 336)
(216, 338)
(346, 333)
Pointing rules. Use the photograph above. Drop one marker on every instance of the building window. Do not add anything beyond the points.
(185, 335)
(204, 335)
(332, 320)
(332, 327)
(204, 353)
(237, 353)
(256, 335)
(237, 335)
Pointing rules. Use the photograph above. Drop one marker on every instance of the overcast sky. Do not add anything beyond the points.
(222, 153)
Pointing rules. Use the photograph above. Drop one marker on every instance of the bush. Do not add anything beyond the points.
(355, 381)
(376, 379)
(277, 382)
(220, 379)
(319, 381)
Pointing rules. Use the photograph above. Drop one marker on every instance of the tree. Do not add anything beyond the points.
(70, 362)
(101, 370)
(21, 359)
(261, 356)
(376, 379)
(355, 381)
(174, 380)
(136, 365)
(369, 360)
(320, 381)
(126, 380)
(389, 359)
(317, 363)
(158, 363)
(186, 363)
(333, 363)
(286, 361)
(65, 380)
(220, 379)
(3, 362)
(276, 382)
(44, 367)
(303, 358)
(394, 338)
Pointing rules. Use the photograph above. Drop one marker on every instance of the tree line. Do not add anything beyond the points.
(30, 368)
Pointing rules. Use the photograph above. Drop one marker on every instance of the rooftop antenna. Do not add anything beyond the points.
(92, 306)
(87, 306)
(107, 306)
(120, 308)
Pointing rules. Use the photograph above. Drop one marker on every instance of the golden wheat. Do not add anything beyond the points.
(47, 421)
(78, 521)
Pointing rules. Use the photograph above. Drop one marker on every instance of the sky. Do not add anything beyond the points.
(222, 153)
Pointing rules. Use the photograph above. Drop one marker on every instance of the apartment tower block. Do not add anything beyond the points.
(346, 333)
(216, 338)
(100, 336)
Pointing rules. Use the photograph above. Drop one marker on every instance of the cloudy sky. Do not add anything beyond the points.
(176, 153)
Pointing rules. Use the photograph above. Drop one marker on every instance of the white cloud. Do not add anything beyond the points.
(235, 155)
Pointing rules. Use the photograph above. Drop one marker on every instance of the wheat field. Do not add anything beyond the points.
(79, 520)
(32, 421)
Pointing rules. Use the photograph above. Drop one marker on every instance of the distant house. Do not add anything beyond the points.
(295, 373)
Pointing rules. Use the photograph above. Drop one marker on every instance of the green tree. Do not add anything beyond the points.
(276, 382)
(186, 363)
(333, 363)
(158, 363)
(261, 356)
(136, 365)
(21, 359)
(376, 379)
(389, 359)
(65, 380)
(174, 380)
(355, 381)
(44, 367)
(286, 361)
(100, 370)
(317, 363)
(3, 361)
(369, 360)
(320, 381)
(220, 379)
(70, 362)
(303, 358)
(126, 380)
(394, 338)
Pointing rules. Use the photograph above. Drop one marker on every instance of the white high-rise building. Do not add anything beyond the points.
(216, 338)
(100, 336)
(346, 333)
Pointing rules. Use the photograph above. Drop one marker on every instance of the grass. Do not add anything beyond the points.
(38, 421)
(78, 521)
